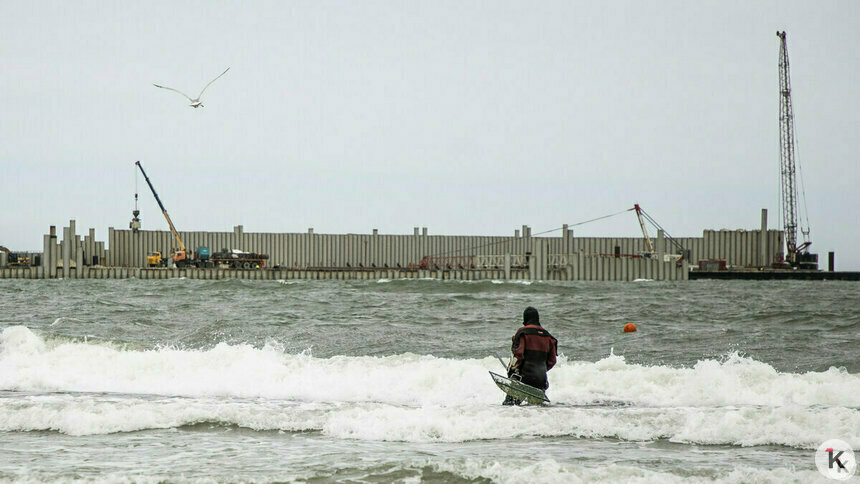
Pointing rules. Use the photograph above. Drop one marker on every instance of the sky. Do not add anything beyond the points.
(465, 117)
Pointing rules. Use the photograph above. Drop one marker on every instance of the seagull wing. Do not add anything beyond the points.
(170, 88)
(210, 82)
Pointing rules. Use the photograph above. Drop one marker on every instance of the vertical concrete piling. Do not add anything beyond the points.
(79, 262)
(46, 254)
(762, 249)
(67, 252)
(55, 253)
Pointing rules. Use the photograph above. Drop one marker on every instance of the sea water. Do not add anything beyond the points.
(387, 381)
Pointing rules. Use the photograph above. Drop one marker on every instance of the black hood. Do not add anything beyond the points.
(531, 316)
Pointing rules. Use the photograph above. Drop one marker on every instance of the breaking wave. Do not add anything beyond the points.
(85, 388)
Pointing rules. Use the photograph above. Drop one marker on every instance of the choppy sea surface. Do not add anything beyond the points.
(387, 381)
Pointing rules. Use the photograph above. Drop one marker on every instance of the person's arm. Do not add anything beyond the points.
(518, 350)
(551, 355)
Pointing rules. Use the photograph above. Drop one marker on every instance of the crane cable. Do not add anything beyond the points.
(802, 190)
(656, 225)
(532, 235)
(779, 198)
(585, 222)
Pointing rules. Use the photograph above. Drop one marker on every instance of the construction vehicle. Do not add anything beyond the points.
(154, 259)
(229, 258)
(178, 254)
(796, 256)
(225, 259)
(17, 259)
(202, 257)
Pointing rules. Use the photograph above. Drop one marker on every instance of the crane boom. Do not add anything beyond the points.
(649, 247)
(787, 142)
(163, 210)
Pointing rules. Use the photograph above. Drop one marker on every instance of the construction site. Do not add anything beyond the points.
(159, 254)
(769, 253)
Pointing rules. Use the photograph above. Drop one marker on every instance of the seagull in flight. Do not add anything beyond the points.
(195, 103)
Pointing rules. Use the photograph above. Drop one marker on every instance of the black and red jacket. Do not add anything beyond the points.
(535, 351)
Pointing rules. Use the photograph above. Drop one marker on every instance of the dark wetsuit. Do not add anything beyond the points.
(535, 351)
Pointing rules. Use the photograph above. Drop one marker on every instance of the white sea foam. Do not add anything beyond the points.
(735, 381)
(94, 388)
(795, 427)
(90, 414)
(502, 281)
(550, 471)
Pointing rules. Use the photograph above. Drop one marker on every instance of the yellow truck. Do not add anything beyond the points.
(154, 259)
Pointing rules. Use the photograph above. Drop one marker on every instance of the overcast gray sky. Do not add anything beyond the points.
(466, 117)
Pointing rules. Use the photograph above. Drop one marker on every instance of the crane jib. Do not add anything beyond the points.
(160, 205)
(164, 211)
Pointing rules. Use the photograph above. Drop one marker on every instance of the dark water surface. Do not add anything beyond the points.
(792, 326)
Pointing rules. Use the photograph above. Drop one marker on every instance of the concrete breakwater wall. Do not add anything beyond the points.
(305, 250)
(738, 248)
(540, 258)
(578, 267)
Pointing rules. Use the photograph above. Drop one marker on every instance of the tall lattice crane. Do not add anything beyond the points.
(787, 142)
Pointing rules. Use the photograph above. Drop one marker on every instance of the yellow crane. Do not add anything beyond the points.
(180, 256)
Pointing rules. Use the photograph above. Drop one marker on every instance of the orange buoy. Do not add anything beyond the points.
(629, 328)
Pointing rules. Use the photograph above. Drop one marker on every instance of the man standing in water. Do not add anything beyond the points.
(535, 351)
